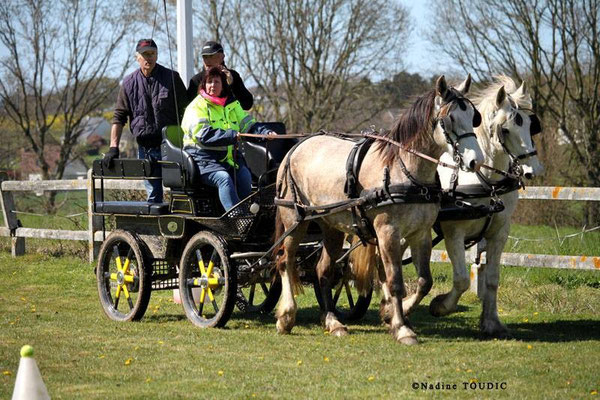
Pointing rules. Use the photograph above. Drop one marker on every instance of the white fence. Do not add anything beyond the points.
(94, 235)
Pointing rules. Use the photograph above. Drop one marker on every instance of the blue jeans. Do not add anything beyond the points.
(224, 182)
(154, 187)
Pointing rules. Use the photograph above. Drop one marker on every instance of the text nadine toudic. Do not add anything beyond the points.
(459, 386)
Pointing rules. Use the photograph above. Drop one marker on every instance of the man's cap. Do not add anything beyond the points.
(145, 45)
(209, 48)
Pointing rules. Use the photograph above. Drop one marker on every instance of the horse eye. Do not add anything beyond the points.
(462, 105)
(519, 120)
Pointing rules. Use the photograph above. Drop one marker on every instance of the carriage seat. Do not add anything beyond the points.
(126, 168)
(179, 171)
(264, 155)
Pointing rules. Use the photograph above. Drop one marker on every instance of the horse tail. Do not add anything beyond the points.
(364, 266)
(280, 256)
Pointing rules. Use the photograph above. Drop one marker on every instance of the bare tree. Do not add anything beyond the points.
(60, 55)
(312, 61)
(552, 44)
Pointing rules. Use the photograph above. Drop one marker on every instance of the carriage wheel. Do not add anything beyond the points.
(260, 296)
(123, 277)
(350, 305)
(205, 265)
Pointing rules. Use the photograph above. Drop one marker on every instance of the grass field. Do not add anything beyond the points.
(52, 304)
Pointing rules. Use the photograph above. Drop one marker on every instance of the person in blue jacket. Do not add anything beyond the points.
(151, 98)
(212, 123)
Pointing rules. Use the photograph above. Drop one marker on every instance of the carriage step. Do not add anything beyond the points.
(131, 207)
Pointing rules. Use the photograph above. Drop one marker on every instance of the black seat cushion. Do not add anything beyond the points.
(263, 155)
(132, 207)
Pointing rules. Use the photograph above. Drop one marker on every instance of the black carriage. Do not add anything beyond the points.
(216, 259)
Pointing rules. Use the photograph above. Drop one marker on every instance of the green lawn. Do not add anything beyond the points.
(52, 304)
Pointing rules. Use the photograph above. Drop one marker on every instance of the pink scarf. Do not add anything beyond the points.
(213, 99)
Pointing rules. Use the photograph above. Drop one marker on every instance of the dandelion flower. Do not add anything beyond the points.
(7, 373)
(529, 347)
(220, 372)
(594, 392)
(299, 362)
(525, 319)
(469, 370)
(161, 342)
(536, 313)
(101, 356)
(473, 380)
(371, 378)
(128, 361)
(326, 359)
(148, 380)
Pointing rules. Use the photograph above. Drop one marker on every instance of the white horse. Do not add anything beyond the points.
(504, 137)
(314, 175)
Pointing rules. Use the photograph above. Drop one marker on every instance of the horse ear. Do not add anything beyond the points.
(522, 90)
(500, 97)
(441, 87)
(465, 85)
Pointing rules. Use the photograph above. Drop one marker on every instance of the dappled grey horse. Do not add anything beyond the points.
(314, 174)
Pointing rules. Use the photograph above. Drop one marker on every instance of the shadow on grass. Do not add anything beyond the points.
(556, 331)
(462, 325)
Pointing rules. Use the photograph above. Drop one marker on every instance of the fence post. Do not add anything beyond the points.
(11, 221)
(94, 222)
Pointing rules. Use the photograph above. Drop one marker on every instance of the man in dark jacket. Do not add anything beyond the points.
(212, 56)
(151, 97)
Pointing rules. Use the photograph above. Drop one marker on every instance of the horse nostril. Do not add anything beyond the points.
(528, 175)
(472, 164)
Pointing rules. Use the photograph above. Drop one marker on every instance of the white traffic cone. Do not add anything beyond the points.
(29, 384)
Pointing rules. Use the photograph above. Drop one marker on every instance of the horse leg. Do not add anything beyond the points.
(385, 306)
(420, 247)
(489, 322)
(446, 303)
(332, 244)
(391, 256)
(286, 311)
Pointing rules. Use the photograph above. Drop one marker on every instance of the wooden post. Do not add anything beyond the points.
(11, 221)
(94, 222)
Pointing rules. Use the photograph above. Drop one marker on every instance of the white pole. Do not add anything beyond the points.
(185, 60)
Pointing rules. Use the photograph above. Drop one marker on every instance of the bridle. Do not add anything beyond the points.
(455, 97)
(535, 128)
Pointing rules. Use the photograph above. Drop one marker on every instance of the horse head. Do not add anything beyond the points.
(456, 117)
(511, 124)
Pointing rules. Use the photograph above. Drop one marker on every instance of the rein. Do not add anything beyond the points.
(381, 138)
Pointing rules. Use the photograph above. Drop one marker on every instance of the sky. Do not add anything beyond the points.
(418, 59)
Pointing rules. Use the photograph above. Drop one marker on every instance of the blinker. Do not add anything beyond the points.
(536, 125)
(519, 120)
(476, 118)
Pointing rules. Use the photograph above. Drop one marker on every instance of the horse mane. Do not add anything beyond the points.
(486, 97)
(485, 101)
(411, 127)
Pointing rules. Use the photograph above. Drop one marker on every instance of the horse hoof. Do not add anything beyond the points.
(437, 307)
(340, 331)
(406, 336)
(495, 330)
(501, 334)
(283, 329)
(409, 341)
